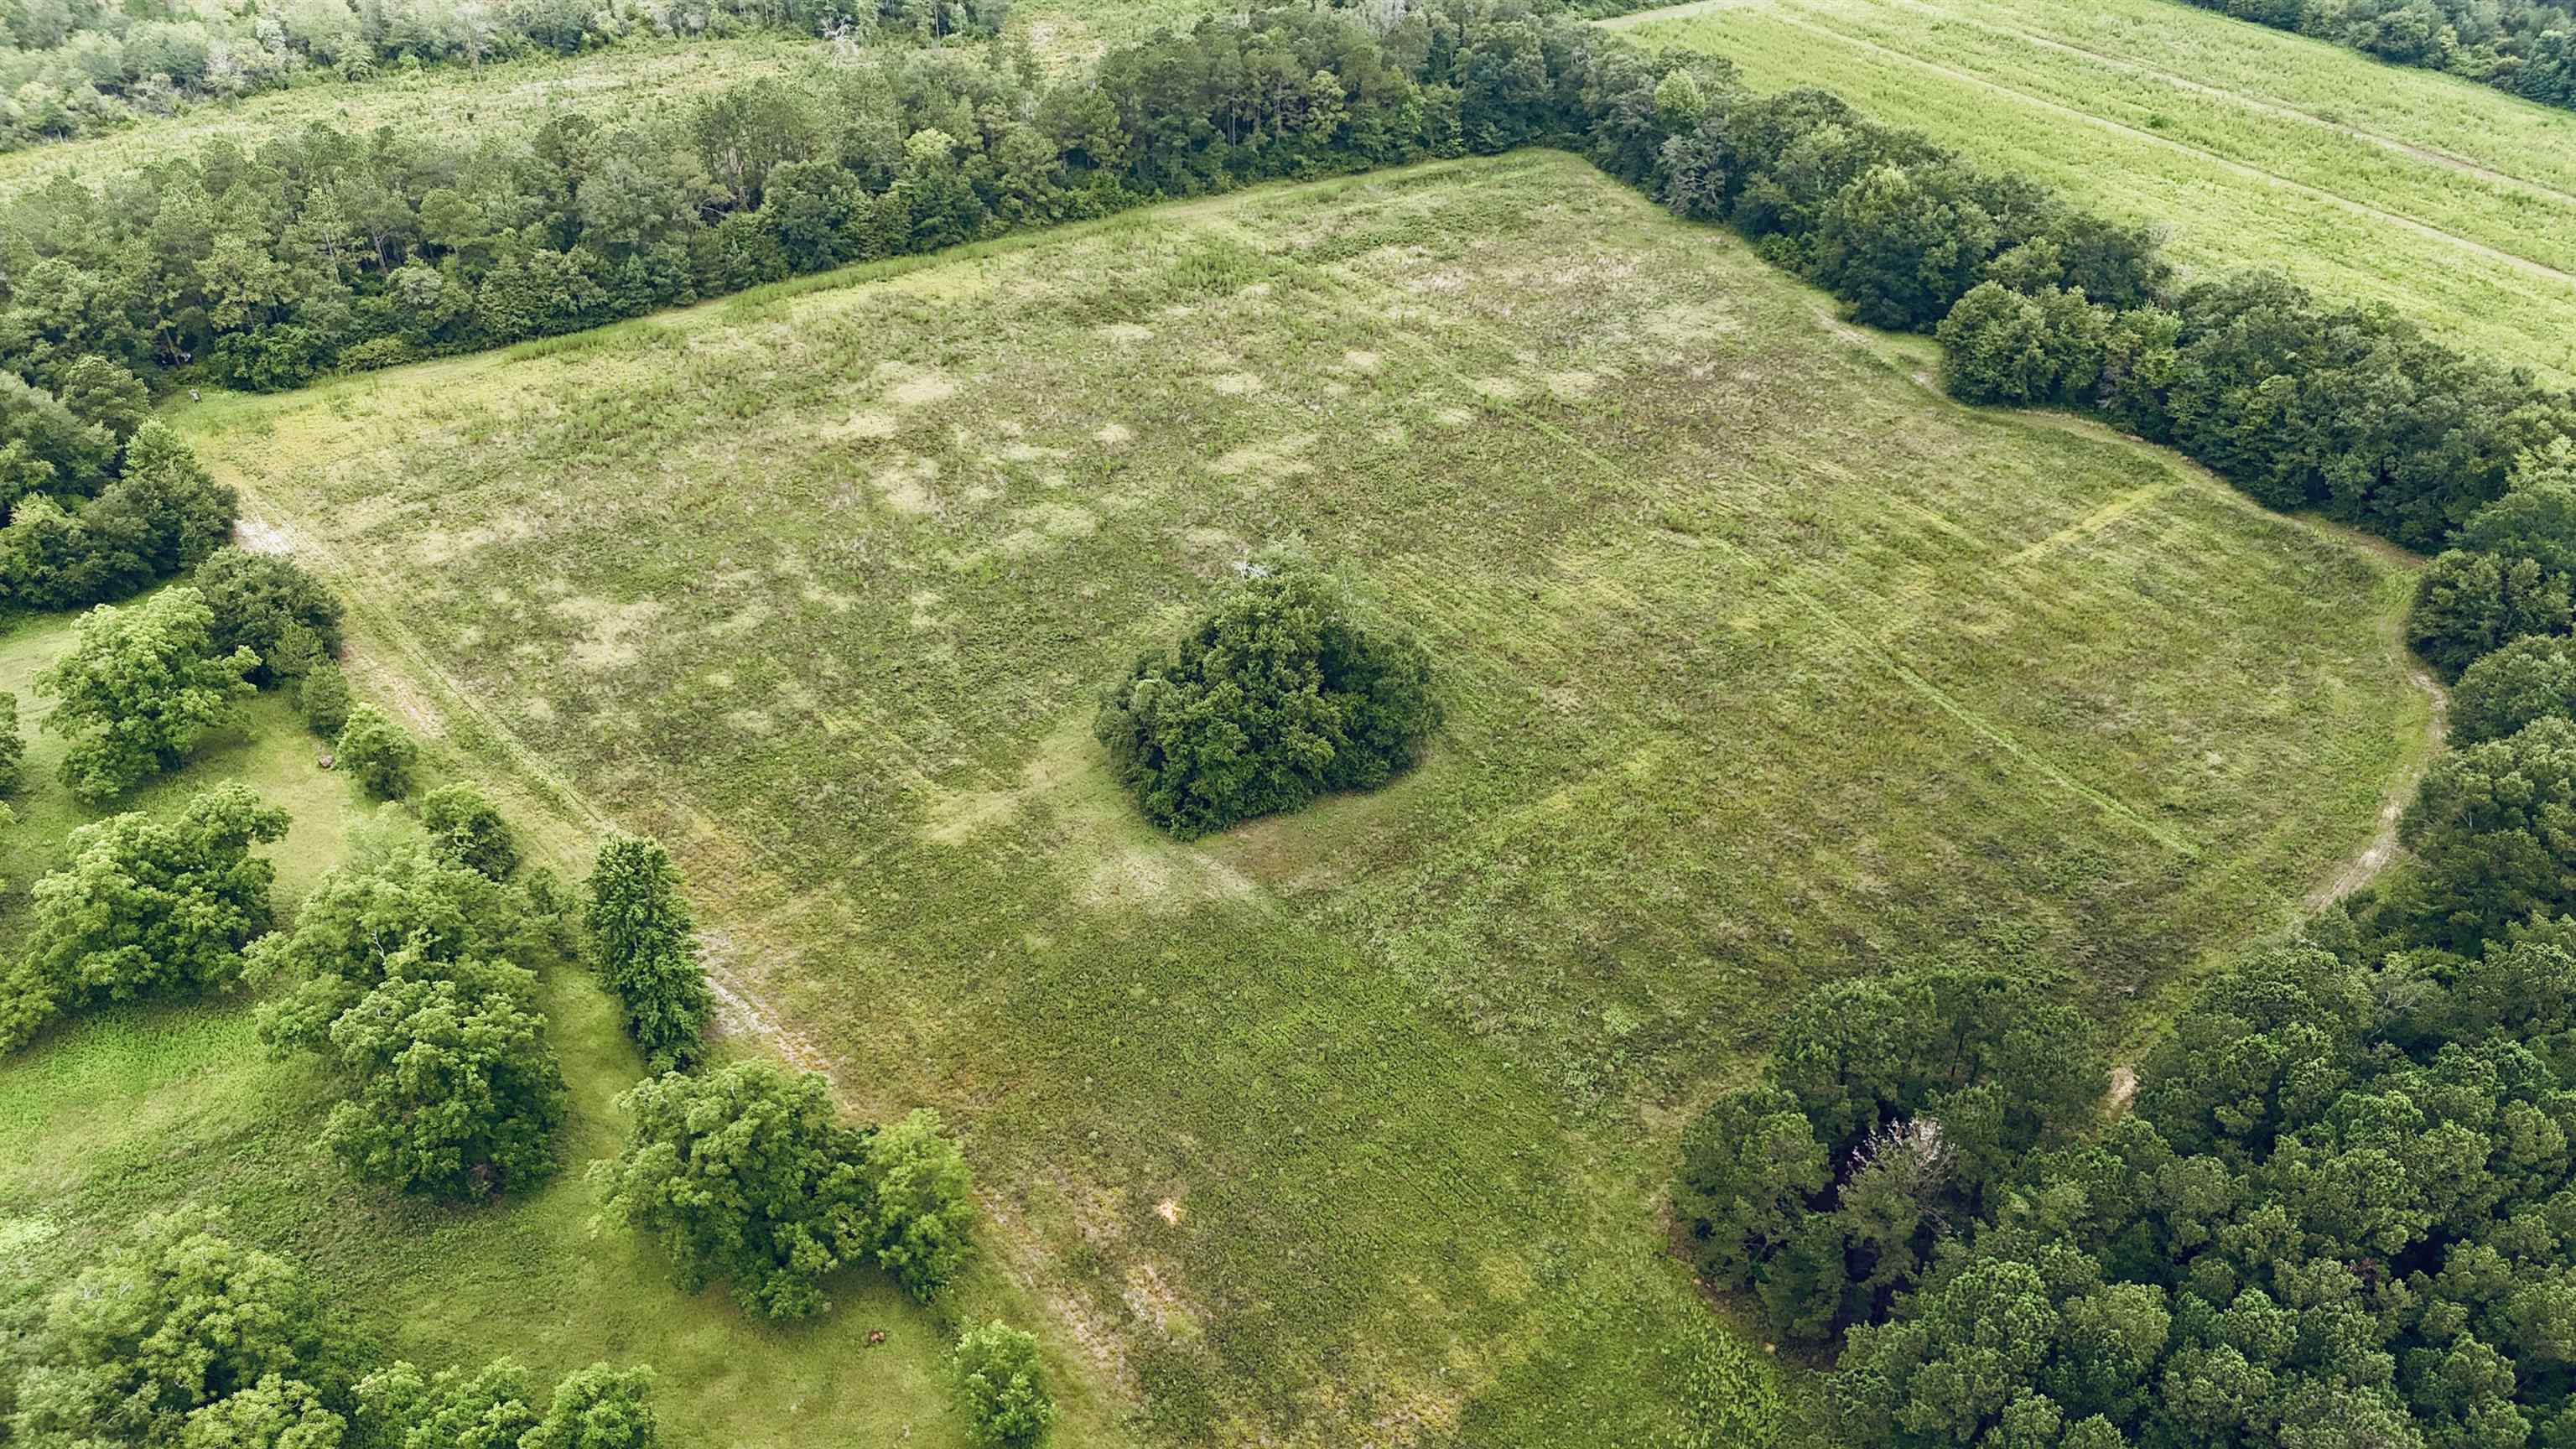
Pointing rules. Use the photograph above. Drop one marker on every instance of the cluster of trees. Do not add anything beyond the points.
(179, 1335)
(71, 68)
(324, 250)
(97, 499)
(746, 1175)
(1888, 1112)
(1276, 697)
(2527, 47)
(2349, 411)
(2336, 1216)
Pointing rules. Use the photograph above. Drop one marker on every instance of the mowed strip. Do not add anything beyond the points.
(1763, 665)
(2468, 228)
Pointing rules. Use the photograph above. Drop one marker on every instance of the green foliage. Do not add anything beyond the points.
(323, 696)
(2324, 1223)
(644, 946)
(13, 746)
(2530, 679)
(146, 684)
(2471, 604)
(466, 829)
(404, 977)
(924, 1203)
(495, 1407)
(2004, 346)
(2494, 826)
(377, 753)
(1888, 1109)
(179, 1336)
(145, 908)
(996, 1383)
(745, 1175)
(1276, 697)
(454, 1089)
(262, 602)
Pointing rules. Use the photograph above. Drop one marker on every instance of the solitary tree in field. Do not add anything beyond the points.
(644, 946)
(994, 1378)
(1276, 697)
(137, 691)
(145, 908)
(745, 1175)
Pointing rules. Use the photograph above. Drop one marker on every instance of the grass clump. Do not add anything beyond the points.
(1276, 697)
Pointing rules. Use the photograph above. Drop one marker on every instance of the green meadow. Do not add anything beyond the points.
(1763, 665)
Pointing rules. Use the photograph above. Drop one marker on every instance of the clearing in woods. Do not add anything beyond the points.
(2450, 201)
(1763, 665)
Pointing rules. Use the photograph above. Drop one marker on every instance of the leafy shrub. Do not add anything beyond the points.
(1276, 697)
(466, 830)
(13, 746)
(260, 601)
(377, 753)
(323, 697)
(407, 977)
(2470, 604)
(178, 1335)
(994, 1378)
(2527, 680)
(643, 945)
(496, 1406)
(145, 908)
(744, 1175)
(925, 1211)
(146, 683)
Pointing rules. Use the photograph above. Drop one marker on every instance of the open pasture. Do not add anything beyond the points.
(1763, 664)
(2447, 200)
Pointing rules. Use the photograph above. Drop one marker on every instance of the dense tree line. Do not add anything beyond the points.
(71, 68)
(2527, 47)
(180, 1335)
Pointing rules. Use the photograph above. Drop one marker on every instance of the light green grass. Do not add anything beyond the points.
(2449, 201)
(129, 1110)
(1764, 664)
(640, 78)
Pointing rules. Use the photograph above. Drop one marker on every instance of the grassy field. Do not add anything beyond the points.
(2450, 201)
(641, 78)
(1763, 664)
(131, 1110)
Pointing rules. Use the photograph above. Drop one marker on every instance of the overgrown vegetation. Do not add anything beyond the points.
(644, 948)
(745, 1175)
(1276, 697)
(79, 68)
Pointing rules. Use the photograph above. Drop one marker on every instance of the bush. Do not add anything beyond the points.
(260, 601)
(376, 753)
(994, 1379)
(13, 746)
(178, 1335)
(323, 697)
(495, 1407)
(744, 1175)
(2470, 604)
(925, 1209)
(2494, 827)
(145, 908)
(147, 682)
(464, 829)
(2529, 679)
(1278, 696)
(644, 947)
